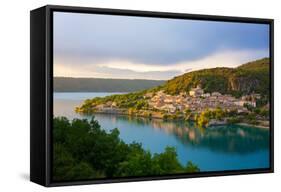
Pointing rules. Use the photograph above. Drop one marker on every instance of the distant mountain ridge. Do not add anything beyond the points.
(69, 84)
(245, 79)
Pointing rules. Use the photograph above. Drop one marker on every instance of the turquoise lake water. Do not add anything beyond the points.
(230, 147)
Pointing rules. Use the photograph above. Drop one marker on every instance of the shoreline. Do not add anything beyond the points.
(159, 118)
(256, 126)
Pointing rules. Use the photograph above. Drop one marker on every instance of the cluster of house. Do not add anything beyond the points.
(195, 101)
(108, 107)
(198, 101)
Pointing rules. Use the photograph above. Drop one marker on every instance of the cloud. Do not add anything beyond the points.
(131, 70)
(107, 46)
(112, 73)
(219, 59)
(157, 41)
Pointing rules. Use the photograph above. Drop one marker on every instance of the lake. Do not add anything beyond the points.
(230, 147)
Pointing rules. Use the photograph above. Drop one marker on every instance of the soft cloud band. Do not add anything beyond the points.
(127, 69)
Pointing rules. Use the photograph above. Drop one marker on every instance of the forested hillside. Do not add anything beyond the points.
(247, 78)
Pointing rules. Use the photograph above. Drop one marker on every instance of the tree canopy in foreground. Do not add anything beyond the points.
(83, 150)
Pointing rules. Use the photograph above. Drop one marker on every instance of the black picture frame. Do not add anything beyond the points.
(41, 89)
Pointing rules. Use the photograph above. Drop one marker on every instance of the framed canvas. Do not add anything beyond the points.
(123, 95)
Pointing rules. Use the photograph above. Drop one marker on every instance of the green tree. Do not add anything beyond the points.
(82, 150)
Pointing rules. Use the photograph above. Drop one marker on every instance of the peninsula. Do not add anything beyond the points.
(209, 97)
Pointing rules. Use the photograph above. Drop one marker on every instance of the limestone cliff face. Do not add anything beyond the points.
(243, 84)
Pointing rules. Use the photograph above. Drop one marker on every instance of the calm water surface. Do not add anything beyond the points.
(228, 147)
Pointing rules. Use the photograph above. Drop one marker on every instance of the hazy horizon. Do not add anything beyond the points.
(106, 78)
(124, 78)
(127, 47)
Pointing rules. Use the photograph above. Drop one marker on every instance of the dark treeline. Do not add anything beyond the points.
(82, 150)
(67, 84)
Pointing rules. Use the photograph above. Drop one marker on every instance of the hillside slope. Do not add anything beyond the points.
(247, 78)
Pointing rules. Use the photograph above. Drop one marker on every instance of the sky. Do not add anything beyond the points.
(123, 47)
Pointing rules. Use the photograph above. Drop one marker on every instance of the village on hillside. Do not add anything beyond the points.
(196, 105)
(198, 101)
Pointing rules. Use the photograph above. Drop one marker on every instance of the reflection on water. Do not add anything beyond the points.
(215, 148)
(227, 139)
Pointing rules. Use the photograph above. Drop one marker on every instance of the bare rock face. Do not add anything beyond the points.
(243, 84)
